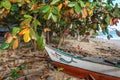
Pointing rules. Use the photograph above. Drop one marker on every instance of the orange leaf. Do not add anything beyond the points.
(60, 6)
(9, 38)
(6, 34)
(22, 12)
(35, 7)
(22, 32)
(85, 14)
(47, 29)
(111, 21)
(27, 1)
(79, 15)
(7, 11)
(15, 44)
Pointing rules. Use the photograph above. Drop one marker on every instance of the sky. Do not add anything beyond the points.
(117, 1)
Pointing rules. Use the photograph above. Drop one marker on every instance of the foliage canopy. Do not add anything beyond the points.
(33, 17)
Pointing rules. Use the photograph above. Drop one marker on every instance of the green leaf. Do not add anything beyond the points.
(103, 31)
(14, 73)
(32, 0)
(106, 29)
(54, 18)
(40, 42)
(4, 46)
(55, 10)
(36, 23)
(15, 30)
(6, 4)
(109, 36)
(14, 8)
(45, 8)
(54, 2)
(28, 20)
(77, 8)
(107, 19)
(32, 34)
(48, 15)
(1, 5)
(36, 11)
(71, 4)
(116, 11)
(95, 26)
(27, 16)
(82, 3)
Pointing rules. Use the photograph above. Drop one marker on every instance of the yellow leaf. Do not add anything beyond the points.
(90, 12)
(87, 3)
(22, 32)
(15, 44)
(60, 68)
(26, 36)
(60, 6)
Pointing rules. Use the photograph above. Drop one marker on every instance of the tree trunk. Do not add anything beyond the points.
(35, 45)
(87, 37)
(61, 39)
(78, 35)
(43, 1)
(47, 37)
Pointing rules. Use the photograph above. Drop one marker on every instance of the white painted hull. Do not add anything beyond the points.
(57, 56)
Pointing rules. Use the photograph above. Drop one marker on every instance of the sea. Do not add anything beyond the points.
(111, 32)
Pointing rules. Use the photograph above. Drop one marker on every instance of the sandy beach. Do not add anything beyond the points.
(38, 67)
(112, 42)
(98, 48)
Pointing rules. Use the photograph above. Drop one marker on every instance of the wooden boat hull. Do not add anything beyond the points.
(83, 67)
(84, 74)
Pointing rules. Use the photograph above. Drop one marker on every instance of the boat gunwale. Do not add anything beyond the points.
(82, 58)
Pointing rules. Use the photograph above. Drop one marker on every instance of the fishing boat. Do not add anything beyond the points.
(84, 67)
